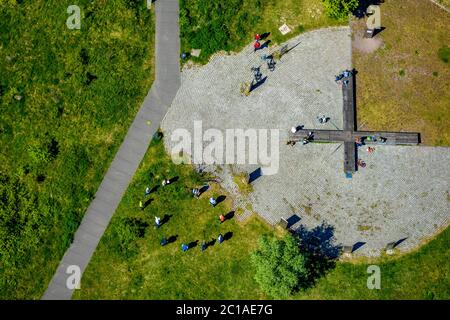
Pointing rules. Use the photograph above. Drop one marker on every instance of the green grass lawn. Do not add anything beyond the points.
(215, 25)
(138, 267)
(405, 84)
(423, 274)
(67, 98)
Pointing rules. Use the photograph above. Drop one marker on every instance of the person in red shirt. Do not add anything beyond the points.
(257, 37)
(222, 218)
(257, 45)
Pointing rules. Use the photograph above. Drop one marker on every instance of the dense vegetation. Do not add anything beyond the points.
(67, 98)
(295, 263)
(280, 266)
(340, 9)
(215, 25)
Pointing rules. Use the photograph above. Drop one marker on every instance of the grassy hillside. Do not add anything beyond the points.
(130, 263)
(67, 98)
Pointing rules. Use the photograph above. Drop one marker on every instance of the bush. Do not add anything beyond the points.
(444, 54)
(340, 9)
(125, 234)
(280, 267)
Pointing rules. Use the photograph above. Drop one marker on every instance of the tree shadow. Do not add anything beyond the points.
(318, 248)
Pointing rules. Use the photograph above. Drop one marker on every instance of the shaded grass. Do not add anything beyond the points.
(405, 85)
(214, 25)
(67, 98)
(423, 274)
(154, 272)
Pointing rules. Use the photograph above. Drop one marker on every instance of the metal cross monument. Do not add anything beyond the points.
(350, 136)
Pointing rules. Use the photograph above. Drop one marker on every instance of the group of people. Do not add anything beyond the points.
(308, 138)
(361, 141)
(305, 140)
(343, 76)
(257, 44)
(196, 193)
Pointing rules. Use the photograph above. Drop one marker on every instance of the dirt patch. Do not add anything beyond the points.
(366, 45)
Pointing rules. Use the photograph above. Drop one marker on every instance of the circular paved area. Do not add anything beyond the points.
(403, 192)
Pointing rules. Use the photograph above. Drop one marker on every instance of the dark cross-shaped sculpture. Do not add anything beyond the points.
(350, 136)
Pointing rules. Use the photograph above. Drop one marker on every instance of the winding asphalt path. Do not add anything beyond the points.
(131, 152)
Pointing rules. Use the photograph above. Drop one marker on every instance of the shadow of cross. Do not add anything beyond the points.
(349, 135)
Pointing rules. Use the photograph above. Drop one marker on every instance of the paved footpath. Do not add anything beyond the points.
(131, 151)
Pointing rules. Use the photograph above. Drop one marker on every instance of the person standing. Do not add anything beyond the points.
(256, 45)
(157, 222)
(220, 238)
(196, 192)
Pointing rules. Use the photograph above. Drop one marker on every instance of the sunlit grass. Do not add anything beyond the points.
(46, 99)
(405, 84)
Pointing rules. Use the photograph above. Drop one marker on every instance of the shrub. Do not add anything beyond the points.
(444, 54)
(280, 267)
(340, 9)
(125, 234)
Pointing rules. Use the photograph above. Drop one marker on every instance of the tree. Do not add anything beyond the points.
(280, 266)
(340, 9)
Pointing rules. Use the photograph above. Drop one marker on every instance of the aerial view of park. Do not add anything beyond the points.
(225, 150)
